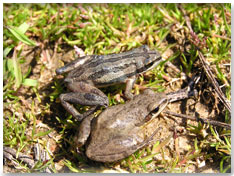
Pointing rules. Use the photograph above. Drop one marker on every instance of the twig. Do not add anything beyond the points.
(207, 121)
(10, 154)
(209, 74)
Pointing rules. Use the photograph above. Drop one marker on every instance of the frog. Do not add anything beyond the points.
(118, 131)
(89, 73)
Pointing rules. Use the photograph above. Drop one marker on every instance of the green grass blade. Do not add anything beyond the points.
(6, 51)
(42, 133)
(18, 33)
(23, 28)
(17, 72)
(30, 82)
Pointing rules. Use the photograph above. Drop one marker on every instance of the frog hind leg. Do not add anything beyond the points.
(84, 94)
(79, 98)
(134, 148)
(108, 154)
(86, 87)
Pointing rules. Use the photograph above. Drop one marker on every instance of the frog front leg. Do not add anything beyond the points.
(129, 85)
(84, 94)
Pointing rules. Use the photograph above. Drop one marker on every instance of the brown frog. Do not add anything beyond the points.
(118, 131)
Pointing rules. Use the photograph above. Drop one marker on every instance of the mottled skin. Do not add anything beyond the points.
(88, 73)
(117, 132)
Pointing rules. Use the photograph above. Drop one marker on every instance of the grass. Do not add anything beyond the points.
(37, 35)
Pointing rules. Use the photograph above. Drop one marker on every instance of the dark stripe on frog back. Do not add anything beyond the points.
(98, 61)
(117, 71)
(115, 57)
(122, 67)
(121, 78)
(103, 67)
(107, 70)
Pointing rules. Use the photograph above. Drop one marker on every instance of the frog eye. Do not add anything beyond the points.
(148, 63)
(155, 110)
(152, 108)
(152, 113)
(147, 60)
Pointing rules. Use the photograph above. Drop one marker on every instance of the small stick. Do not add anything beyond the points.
(207, 121)
(209, 74)
(10, 154)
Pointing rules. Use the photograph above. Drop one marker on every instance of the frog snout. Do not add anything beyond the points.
(104, 101)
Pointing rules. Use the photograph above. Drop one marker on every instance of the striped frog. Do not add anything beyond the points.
(87, 74)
